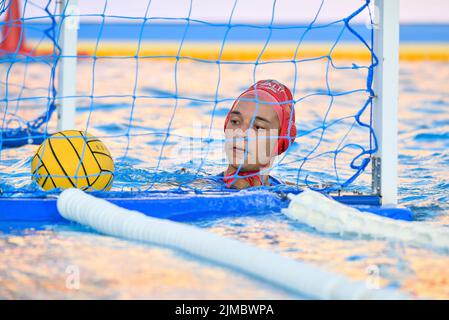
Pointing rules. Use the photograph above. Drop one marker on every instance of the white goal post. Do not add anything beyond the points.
(385, 109)
(68, 41)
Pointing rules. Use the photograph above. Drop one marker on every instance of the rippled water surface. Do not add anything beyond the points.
(40, 262)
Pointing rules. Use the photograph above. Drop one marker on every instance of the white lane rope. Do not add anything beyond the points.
(297, 277)
(327, 215)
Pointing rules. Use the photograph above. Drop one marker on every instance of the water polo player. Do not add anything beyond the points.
(259, 126)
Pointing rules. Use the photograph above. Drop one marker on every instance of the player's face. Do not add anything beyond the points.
(254, 137)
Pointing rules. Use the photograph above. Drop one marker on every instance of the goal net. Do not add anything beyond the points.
(154, 80)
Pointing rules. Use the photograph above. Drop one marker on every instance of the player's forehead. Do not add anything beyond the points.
(251, 108)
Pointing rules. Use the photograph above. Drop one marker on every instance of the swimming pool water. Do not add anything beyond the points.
(48, 262)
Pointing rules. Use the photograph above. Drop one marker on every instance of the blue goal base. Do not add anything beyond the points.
(186, 207)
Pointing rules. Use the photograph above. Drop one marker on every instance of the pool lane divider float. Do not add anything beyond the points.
(326, 215)
(298, 278)
(235, 51)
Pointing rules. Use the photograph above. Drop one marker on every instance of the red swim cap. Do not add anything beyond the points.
(284, 109)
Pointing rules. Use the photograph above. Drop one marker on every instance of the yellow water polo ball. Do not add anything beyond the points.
(73, 159)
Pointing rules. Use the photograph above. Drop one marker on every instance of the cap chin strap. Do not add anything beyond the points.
(252, 177)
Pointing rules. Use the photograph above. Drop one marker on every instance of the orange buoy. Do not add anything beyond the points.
(13, 35)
